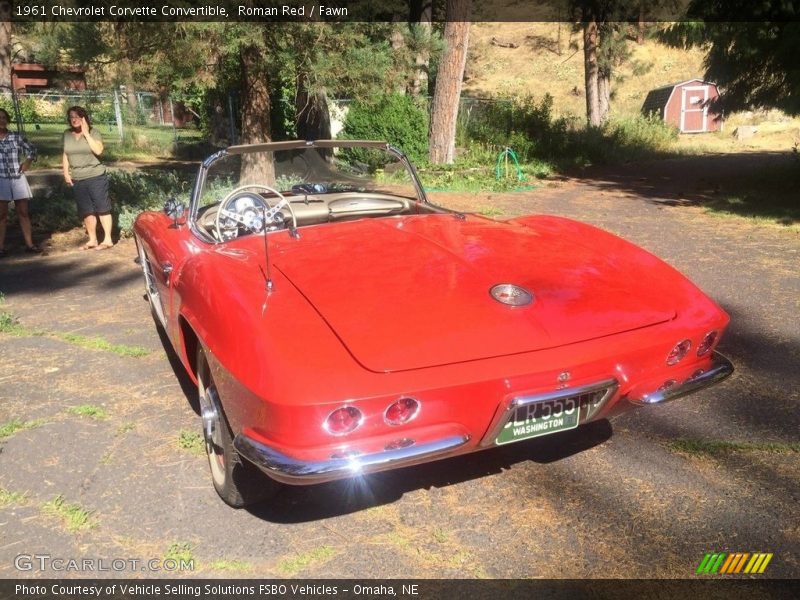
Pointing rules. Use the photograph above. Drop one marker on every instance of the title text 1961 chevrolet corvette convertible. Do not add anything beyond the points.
(337, 323)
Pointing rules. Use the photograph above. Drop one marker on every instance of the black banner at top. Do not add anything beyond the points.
(327, 11)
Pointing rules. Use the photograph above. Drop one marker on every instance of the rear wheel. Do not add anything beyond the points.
(237, 482)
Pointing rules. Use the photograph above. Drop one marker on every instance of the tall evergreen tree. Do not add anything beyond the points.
(447, 93)
(753, 59)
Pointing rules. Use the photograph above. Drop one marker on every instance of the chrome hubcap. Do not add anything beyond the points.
(150, 286)
(212, 432)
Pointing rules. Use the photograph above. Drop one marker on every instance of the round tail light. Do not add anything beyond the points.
(343, 420)
(401, 411)
(678, 352)
(707, 343)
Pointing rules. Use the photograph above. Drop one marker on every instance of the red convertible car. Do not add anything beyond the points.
(338, 323)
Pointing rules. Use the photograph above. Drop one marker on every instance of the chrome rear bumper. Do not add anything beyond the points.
(298, 472)
(720, 369)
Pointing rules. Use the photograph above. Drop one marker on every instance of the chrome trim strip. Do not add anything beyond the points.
(505, 411)
(721, 368)
(286, 469)
(194, 199)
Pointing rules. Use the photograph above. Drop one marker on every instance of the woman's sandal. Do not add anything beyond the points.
(33, 249)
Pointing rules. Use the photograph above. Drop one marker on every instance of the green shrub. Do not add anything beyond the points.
(131, 193)
(27, 109)
(395, 118)
(527, 125)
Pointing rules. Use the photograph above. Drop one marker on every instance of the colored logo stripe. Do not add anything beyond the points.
(758, 563)
(723, 563)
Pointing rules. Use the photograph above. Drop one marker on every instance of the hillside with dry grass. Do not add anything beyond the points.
(516, 60)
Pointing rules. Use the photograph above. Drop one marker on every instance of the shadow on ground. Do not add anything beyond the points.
(761, 184)
(297, 504)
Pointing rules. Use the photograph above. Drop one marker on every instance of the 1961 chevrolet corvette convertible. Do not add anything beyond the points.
(338, 323)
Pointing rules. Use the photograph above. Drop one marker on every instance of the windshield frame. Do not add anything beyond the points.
(200, 180)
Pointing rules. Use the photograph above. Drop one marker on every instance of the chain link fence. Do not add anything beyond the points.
(132, 124)
(145, 125)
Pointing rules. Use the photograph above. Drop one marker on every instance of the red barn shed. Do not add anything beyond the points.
(32, 77)
(686, 105)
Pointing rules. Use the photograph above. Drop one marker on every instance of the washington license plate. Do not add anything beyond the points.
(541, 418)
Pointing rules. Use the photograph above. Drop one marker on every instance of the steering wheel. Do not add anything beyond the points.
(246, 207)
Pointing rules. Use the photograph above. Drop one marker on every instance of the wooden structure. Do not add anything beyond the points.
(688, 105)
(32, 77)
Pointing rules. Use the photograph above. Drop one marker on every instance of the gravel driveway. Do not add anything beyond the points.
(99, 440)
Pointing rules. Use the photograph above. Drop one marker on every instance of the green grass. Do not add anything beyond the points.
(8, 498)
(191, 441)
(293, 565)
(11, 427)
(236, 566)
(440, 535)
(767, 195)
(10, 325)
(98, 343)
(720, 447)
(74, 517)
(181, 552)
(125, 428)
(88, 410)
(489, 211)
(139, 143)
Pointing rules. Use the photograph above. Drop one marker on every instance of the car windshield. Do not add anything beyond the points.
(288, 185)
(308, 174)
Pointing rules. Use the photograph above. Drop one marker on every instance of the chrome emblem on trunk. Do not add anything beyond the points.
(510, 294)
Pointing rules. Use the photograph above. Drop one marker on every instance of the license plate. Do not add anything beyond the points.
(551, 416)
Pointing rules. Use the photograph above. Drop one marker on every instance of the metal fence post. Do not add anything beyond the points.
(172, 116)
(17, 112)
(118, 115)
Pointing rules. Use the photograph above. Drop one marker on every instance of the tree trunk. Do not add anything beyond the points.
(591, 71)
(311, 112)
(422, 58)
(125, 70)
(5, 44)
(398, 44)
(442, 135)
(640, 25)
(604, 95)
(312, 117)
(256, 126)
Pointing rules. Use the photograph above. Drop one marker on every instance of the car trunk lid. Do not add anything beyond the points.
(411, 292)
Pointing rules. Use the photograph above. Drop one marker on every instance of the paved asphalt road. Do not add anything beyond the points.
(611, 500)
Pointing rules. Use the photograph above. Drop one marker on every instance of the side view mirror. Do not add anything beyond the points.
(175, 210)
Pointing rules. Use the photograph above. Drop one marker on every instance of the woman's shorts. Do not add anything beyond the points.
(91, 195)
(14, 188)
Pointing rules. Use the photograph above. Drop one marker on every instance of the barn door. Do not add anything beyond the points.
(694, 109)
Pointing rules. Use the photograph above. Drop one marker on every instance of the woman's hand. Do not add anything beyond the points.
(65, 169)
(25, 166)
(84, 127)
